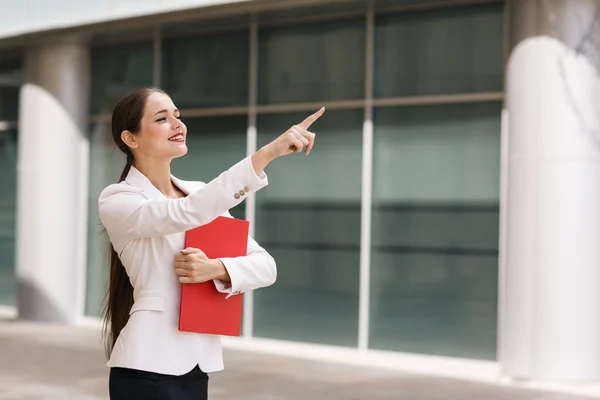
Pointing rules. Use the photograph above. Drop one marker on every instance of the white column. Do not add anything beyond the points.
(251, 144)
(551, 304)
(52, 182)
(364, 294)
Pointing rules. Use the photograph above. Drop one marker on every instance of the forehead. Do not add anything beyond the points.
(158, 101)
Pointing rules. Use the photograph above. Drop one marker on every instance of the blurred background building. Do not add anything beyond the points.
(413, 227)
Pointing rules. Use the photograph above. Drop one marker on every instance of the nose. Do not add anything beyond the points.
(175, 123)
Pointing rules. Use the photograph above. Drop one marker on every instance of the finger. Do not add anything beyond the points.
(179, 257)
(297, 144)
(182, 265)
(311, 119)
(294, 144)
(181, 272)
(184, 273)
(300, 135)
(311, 142)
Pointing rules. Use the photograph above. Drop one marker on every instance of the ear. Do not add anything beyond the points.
(129, 139)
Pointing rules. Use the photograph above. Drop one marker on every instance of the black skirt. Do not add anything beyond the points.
(131, 384)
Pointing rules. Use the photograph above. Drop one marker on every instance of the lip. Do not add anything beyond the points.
(179, 140)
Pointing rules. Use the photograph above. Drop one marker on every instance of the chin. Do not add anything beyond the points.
(183, 151)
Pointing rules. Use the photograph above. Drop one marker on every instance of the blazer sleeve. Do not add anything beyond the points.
(255, 270)
(126, 213)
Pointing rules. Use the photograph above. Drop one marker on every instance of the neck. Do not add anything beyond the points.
(159, 174)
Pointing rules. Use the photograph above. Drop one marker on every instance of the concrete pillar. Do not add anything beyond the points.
(52, 181)
(550, 307)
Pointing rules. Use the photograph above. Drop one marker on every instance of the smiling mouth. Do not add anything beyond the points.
(177, 138)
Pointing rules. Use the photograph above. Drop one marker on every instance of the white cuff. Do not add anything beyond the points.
(255, 181)
(229, 264)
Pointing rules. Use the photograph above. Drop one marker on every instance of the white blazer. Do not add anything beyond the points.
(147, 230)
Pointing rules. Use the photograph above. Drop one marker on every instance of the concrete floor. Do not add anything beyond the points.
(49, 362)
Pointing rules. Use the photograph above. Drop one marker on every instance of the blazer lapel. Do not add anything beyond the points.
(182, 185)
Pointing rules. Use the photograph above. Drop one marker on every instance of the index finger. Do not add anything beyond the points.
(311, 119)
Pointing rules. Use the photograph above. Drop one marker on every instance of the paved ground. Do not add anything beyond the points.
(45, 362)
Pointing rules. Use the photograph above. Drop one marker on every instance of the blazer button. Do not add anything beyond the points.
(246, 189)
(237, 195)
(242, 193)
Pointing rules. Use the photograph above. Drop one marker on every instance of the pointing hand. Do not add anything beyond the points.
(294, 140)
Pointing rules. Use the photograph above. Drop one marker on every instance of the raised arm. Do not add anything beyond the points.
(126, 213)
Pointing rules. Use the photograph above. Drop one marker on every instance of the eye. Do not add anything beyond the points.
(161, 119)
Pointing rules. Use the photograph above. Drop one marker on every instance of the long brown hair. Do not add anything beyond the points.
(127, 115)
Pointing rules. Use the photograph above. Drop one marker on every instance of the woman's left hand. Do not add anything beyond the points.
(193, 266)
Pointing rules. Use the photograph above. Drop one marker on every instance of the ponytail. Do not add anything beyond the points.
(126, 169)
(119, 295)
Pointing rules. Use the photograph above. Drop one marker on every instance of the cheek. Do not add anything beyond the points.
(159, 132)
(154, 137)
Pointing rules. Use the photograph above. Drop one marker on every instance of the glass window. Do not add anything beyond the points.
(308, 218)
(434, 262)
(106, 164)
(457, 50)
(207, 71)
(316, 62)
(10, 84)
(8, 214)
(116, 70)
(214, 145)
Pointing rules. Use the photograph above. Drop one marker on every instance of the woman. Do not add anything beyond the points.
(146, 215)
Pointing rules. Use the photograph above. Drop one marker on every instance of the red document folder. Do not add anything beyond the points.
(203, 308)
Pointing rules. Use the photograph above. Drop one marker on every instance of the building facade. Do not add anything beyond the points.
(414, 227)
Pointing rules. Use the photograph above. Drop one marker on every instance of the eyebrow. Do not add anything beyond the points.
(162, 111)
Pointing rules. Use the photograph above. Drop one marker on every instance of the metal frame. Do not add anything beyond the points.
(504, 145)
(367, 104)
(251, 143)
(407, 101)
(82, 247)
(500, 309)
(157, 57)
(438, 99)
(364, 298)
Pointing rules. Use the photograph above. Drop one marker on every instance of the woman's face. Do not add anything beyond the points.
(162, 134)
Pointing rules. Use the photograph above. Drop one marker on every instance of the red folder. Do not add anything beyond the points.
(203, 308)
